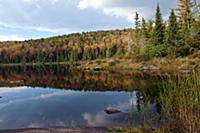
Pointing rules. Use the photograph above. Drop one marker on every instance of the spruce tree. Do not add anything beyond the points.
(136, 49)
(137, 25)
(159, 30)
(144, 28)
(150, 29)
(137, 21)
(173, 30)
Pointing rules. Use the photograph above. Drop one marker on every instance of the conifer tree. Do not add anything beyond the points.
(137, 21)
(150, 29)
(137, 25)
(159, 30)
(173, 30)
(144, 28)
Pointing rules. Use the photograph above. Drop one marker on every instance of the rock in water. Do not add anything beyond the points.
(97, 69)
(0, 97)
(112, 111)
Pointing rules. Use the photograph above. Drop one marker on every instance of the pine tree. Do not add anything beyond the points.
(173, 30)
(159, 30)
(137, 21)
(150, 29)
(137, 25)
(136, 49)
(144, 28)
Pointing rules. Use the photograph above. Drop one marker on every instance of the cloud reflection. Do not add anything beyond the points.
(29, 96)
(11, 89)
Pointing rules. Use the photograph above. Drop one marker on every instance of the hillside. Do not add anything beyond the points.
(73, 47)
(177, 37)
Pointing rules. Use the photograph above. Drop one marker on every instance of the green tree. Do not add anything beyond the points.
(144, 28)
(196, 34)
(150, 29)
(159, 30)
(137, 21)
(137, 25)
(173, 30)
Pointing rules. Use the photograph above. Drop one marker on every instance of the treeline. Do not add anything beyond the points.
(177, 36)
(79, 46)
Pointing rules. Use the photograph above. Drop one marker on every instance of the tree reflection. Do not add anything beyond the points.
(63, 77)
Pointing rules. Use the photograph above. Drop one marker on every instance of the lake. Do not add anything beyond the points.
(57, 96)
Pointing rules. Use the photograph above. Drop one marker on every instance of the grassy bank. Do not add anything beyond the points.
(165, 65)
(162, 65)
(180, 101)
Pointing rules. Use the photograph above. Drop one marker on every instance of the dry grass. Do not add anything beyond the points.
(180, 101)
(166, 65)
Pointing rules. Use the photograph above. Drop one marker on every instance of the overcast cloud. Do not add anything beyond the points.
(42, 18)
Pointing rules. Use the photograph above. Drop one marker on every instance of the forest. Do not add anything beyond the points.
(178, 36)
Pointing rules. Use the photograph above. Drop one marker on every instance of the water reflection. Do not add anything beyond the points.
(27, 107)
(49, 102)
(65, 78)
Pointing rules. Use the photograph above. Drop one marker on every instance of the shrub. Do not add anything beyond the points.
(156, 50)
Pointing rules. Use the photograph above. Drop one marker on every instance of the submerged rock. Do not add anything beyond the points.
(112, 111)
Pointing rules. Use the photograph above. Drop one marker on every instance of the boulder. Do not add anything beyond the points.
(97, 69)
(112, 111)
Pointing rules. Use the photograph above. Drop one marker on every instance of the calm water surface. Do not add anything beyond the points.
(53, 104)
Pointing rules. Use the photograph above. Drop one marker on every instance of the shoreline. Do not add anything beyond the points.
(159, 65)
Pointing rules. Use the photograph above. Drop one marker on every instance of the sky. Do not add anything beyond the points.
(31, 19)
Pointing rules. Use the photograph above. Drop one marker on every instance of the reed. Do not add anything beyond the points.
(180, 102)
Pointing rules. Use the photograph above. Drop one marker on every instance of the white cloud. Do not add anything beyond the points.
(105, 3)
(122, 8)
(11, 38)
(57, 16)
(67, 16)
(121, 12)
